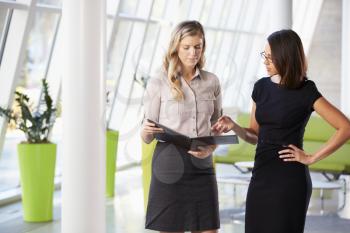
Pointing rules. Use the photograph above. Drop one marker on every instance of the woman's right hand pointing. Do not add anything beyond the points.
(223, 125)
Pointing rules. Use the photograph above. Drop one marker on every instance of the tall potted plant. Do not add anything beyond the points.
(36, 155)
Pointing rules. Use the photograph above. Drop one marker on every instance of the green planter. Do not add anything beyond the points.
(37, 169)
(111, 150)
(146, 165)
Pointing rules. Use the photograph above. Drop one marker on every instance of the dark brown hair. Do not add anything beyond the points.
(288, 56)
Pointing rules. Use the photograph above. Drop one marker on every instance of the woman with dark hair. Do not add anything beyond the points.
(280, 188)
(183, 192)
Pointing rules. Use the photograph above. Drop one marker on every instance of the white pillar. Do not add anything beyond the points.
(83, 102)
(281, 15)
(345, 59)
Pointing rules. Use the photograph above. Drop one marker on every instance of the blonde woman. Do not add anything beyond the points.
(183, 193)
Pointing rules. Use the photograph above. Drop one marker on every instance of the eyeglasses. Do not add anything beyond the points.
(266, 57)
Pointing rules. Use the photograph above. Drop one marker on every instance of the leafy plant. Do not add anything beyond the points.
(36, 125)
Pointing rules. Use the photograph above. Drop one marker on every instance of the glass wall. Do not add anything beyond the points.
(37, 53)
(39, 28)
(140, 41)
(50, 2)
(5, 17)
(137, 37)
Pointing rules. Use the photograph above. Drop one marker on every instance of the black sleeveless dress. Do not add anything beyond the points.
(279, 192)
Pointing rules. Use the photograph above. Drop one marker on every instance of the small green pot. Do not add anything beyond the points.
(37, 172)
(146, 165)
(111, 150)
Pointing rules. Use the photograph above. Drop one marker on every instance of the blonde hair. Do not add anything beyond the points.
(172, 61)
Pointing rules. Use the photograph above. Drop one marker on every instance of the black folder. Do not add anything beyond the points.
(188, 143)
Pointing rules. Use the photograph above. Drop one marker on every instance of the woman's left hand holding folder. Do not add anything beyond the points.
(203, 152)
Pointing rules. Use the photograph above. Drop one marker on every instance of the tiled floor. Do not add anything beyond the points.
(125, 212)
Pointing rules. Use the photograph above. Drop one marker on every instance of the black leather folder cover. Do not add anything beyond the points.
(179, 139)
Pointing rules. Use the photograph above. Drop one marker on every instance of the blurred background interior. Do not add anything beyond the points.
(137, 35)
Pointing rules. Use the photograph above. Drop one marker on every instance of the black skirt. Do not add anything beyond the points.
(183, 193)
(278, 194)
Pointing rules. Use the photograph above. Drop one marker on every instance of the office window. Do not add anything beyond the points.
(3, 16)
(9, 169)
(4, 19)
(50, 2)
(37, 53)
(33, 69)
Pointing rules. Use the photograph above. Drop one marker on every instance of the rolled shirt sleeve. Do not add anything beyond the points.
(217, 102)
(151, 99)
